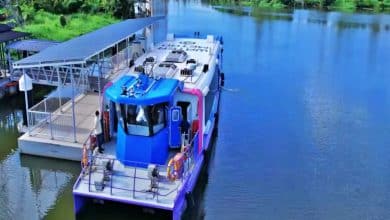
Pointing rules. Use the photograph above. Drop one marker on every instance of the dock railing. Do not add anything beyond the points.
(120, 60)
(97, 165)
(48, 119)
(117, 62)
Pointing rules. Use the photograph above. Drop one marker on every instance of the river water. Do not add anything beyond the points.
(304, 129)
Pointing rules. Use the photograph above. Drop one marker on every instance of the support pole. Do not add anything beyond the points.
(73, 106)
(99, 84)
(51, 126)
(127, 52)
(26, 102)
(59, 88)
(9, 61)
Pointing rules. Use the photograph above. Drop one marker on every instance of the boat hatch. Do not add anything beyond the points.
(165, 70)
(176, 56)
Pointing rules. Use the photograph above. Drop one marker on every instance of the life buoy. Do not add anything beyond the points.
(92, 141)
(84, 159)
(106, 126)
(172, 170)
(10, 84)
(175, 167)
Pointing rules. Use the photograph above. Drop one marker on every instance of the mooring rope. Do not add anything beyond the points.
(229, 90)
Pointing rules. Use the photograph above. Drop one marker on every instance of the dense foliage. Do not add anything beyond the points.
(63, 19)
(119, 8)
(376, 5)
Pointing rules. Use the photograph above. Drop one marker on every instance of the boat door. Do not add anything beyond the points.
(175, 119)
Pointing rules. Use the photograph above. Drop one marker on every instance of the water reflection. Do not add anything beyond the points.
(338, 20)
(31, 187)
(10, 115)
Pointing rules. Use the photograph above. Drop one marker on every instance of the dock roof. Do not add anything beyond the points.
(33, 45)
(80, 49)
(7, 34)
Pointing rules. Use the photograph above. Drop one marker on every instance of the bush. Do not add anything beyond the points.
(63, 21)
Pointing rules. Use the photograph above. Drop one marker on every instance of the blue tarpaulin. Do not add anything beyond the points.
(79, 49)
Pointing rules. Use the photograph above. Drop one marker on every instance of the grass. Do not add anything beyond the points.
(45, 25)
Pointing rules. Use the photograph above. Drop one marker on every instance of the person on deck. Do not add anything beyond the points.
(184, 128)
(98, 132)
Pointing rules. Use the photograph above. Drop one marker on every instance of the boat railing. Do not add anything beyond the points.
(100, 169)
(136, 174)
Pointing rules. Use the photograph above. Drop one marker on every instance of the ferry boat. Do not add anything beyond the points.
(159, 117)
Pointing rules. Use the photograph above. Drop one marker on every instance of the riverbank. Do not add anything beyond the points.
(337, 5)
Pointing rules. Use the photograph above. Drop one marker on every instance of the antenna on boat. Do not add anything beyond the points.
(124, 90)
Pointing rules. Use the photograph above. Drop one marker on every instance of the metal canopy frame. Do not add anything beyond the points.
(86, 62)
(78, 50)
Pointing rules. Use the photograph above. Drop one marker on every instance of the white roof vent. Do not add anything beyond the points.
(176, 56)
(210, 38)
(170, 37)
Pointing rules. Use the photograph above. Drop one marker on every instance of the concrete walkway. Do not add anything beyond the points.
(56, 139)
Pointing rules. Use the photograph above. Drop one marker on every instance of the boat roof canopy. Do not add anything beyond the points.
(160, 91)
(80, 49)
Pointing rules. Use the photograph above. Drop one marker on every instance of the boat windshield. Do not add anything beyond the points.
(142, 120)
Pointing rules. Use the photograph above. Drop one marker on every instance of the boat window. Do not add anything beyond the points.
(142, 120)
(158, 117)
(175, 115)
(120, 112)
(209, 99)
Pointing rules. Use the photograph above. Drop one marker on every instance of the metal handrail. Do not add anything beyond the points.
(141, 191)
(134, 177)
(38, 118)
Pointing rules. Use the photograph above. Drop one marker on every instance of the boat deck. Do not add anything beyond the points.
(203, 52)
(126, 184)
